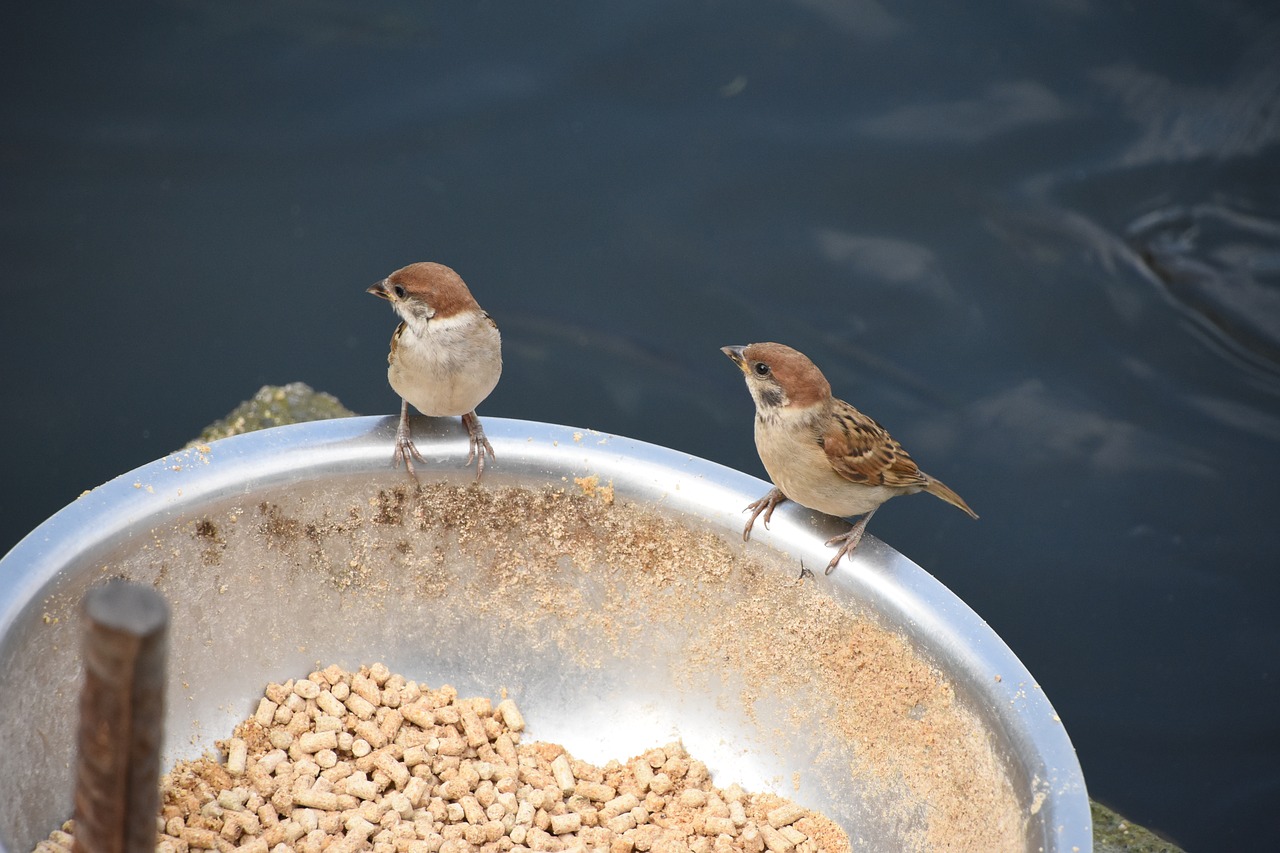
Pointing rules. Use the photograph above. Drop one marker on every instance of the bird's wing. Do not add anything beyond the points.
(395, 342)
(862, 451)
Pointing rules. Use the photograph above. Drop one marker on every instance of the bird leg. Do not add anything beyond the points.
(766, 504)
(848, 541)
(479, 444)
(404, 443)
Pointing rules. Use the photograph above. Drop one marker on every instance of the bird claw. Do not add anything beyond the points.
(478, 444)
(849, 546)
(848, 541)
(405, 450)
(766, 505)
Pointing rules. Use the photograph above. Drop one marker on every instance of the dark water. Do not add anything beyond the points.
(1039, 241)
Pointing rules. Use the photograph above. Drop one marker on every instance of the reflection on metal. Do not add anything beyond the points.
(299, 546)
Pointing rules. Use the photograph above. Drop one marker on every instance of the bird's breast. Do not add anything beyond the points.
(448, 366)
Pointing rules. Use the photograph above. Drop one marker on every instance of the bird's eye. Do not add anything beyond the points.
(400, 291)
(761, 369)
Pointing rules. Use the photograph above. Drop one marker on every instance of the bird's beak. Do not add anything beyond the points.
(380, 290)
(736, 356)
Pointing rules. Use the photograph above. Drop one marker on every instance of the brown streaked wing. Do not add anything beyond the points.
(861, 451)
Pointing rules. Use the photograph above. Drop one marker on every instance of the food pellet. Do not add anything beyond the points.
(785, 815)
(342, 762)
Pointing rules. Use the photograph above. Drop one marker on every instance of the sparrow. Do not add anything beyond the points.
(446, 354)
(820, 451)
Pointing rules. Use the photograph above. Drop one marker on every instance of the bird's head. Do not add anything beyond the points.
(425, 291)
(779, 377)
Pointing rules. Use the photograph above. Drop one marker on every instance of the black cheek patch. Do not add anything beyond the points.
(771, 397)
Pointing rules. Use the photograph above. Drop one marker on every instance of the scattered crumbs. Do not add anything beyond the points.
(1037, 801)
(175, 467)
(82, 494)
(137, 485)
(909, 739)
(999, 679)
(591, 487)
(577, 438)
(49, 618)
(151, 490)
(203, 448)
(1056, 718)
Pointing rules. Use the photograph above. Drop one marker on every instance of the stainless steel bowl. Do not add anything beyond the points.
(600, 581)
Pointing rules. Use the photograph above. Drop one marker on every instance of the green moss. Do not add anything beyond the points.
(1113, 834)
(275, 405)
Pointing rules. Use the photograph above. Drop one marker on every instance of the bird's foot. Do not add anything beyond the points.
(479, 444)
(405, 451)
(848, 542)
(766, 505)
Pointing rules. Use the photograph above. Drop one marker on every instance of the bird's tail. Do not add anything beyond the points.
(940, 489)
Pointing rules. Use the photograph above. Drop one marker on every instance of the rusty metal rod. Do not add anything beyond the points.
(121, 719)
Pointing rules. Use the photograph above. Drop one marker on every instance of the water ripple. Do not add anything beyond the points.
(1221, 267)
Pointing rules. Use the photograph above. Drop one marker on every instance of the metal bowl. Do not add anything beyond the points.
(602, 582)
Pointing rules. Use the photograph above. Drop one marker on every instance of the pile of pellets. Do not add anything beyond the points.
(341, 762)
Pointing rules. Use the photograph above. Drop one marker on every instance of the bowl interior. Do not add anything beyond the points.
(601, 583)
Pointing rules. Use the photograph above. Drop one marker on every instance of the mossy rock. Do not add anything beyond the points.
(276, 405)
(1113, 834)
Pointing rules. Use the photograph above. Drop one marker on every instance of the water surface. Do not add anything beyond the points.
(1040, 242)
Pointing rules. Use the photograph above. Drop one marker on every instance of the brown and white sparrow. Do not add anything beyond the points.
(446, 354)
(819, 451)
